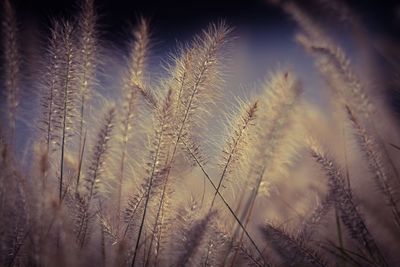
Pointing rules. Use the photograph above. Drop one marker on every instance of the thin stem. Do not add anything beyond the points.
(80, 132)
(119, 191)
(345, 157)
(226, 166)
(131, 218)
(80, 163)
(226, 204)
(242, 128)
(66, 95)
(339, 230)
(250, 211)
(150, 185)
(64, 126)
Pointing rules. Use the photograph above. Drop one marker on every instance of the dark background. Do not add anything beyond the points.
(380, 16)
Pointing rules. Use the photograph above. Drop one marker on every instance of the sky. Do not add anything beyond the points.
(380, 15)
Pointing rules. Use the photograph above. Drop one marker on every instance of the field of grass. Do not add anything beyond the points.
(141, 173)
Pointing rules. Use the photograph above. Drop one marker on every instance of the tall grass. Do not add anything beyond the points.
(138, 176)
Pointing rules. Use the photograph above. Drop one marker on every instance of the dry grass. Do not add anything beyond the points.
(137, 178)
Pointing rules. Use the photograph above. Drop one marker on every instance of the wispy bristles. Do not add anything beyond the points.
(88, 45)
(277, 107)
(133, 79)
(51, 85)
(202, 70)
(293, 252)
(333, 63)
(331, 60)
(94, 173)
(132, 211)
(65, 102)
(99, 152)
(309, 224)
(350, 216)
(157, 167)
(87, 63)
(204, 78)
(193, 239)
(139, 52)
(375, 164)
(238, 139)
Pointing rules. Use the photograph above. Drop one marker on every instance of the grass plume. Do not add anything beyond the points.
(108, 160)
(133, 80)
(87, 63)
(350, 215)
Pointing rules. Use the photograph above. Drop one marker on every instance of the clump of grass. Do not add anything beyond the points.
(375, 164)
(276, 112)
(350, 215)
(119, 195)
